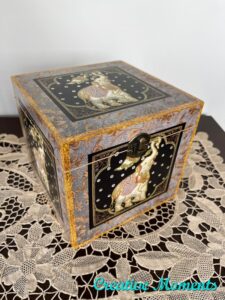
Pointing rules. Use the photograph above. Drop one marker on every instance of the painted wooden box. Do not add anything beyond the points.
(108, 140)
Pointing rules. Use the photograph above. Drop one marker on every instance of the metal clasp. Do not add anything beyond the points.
(138, 145)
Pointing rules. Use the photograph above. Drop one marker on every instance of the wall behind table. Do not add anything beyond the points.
(179, 41)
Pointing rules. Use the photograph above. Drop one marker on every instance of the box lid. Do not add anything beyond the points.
(88, 98)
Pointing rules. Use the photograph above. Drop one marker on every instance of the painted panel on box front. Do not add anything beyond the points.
(118, 182)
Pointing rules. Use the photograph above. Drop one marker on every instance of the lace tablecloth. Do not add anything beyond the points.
(183, 239)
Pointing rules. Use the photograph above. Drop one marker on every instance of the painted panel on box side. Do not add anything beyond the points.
(119, 182)
(43, 157)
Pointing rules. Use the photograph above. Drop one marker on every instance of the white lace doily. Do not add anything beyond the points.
(183, 239)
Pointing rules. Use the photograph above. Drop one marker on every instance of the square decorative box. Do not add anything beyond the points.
(108, 141)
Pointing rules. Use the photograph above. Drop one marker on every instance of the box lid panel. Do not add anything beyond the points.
(86, 94)
(92, 97)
